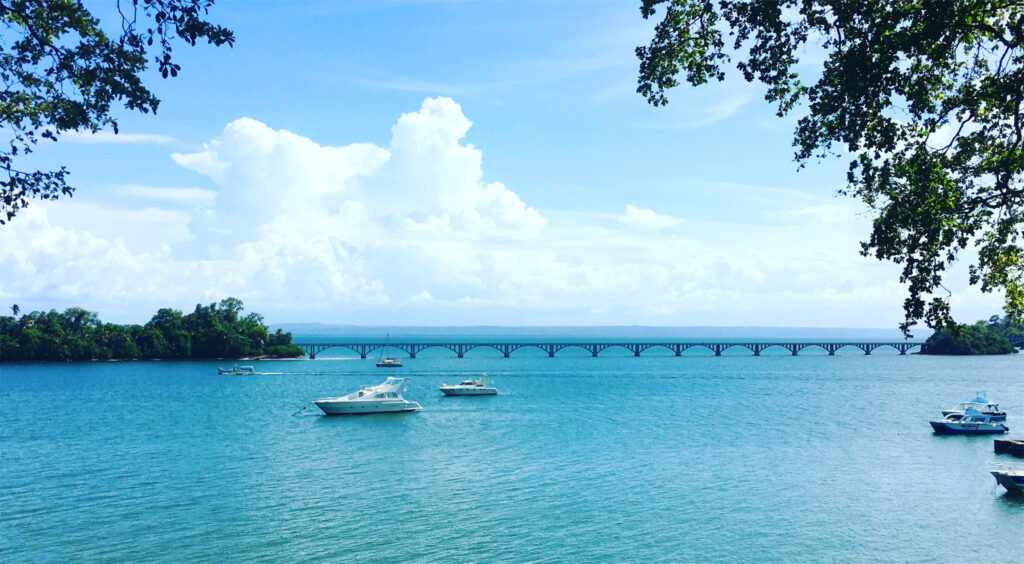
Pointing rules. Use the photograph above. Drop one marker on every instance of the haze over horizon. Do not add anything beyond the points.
(454, 164)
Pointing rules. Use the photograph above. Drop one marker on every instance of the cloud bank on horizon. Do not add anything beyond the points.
(414, 234)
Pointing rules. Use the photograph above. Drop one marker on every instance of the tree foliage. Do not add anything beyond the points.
(980, 338)
(925, 98)
(62, 72)
(218, 330)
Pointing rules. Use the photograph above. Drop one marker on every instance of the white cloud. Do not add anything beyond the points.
(197, 196)
(696, 108)
(647, 219)
(415, 233)
(104, 136)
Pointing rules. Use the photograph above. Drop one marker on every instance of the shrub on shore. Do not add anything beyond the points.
(980, 338)
(218, 330)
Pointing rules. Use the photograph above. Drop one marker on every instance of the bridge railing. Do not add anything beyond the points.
(364, 349)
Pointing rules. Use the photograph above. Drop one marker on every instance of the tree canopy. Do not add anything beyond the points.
(980, 338)
(218, 330)
(62, 72)
(924, 98)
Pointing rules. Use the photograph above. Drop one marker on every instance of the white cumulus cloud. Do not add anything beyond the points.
(415, 232)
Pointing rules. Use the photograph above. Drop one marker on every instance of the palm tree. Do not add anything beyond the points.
(16, 310)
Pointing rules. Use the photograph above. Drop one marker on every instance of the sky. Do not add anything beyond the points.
(450, 163)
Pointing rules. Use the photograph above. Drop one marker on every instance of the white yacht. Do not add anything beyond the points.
(478, 387)
(980, 404)
(382, 398)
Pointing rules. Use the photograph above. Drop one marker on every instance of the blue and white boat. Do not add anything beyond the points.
(1012, 480)
(970, 422)
(981, 404)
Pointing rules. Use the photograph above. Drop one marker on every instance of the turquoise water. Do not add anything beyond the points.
(693, 459)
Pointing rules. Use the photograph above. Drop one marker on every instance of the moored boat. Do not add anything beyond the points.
(382, 398)
(1012, 480)
(389, 361)
(980, 404)
(970, 422)
(237, 370)
(472, 387)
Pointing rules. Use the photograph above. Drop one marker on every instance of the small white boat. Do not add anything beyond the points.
(970, 422)
(980, 404)
(382, 398)
(478, 387)
(389, 362)
(1012, 480)
(237, 370)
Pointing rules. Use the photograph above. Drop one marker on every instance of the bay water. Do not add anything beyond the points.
(697, 458)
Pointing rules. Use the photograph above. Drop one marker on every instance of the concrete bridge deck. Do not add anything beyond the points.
(366, 348)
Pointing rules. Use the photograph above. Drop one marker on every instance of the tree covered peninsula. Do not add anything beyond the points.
(981, 338)
(218, 330)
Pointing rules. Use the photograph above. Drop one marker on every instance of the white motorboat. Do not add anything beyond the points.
(478, 387)
(970, 422)
(1012, 480)
(980, 404)
(237, 370)
(382, 398)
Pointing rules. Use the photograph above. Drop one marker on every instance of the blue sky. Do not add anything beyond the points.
(446, 163)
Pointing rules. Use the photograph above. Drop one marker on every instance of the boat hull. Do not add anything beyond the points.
(995, 416)
(346, 407)
(1013, 482)
(944, 428)
(457, 391)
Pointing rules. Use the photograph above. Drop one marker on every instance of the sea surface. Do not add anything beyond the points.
(776, 458)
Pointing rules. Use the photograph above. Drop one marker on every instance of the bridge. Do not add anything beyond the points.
(677, 348)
